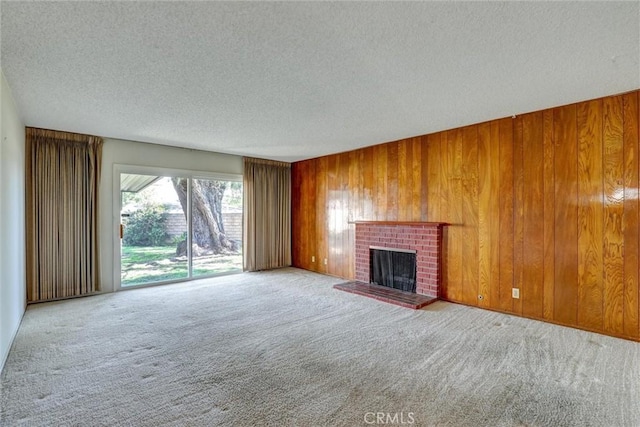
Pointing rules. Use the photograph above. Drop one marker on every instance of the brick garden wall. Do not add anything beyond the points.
(176, 224)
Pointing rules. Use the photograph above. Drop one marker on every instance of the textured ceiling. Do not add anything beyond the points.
(293, 80)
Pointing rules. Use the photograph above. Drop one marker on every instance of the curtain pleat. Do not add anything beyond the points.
(267, 214)
(63, 172)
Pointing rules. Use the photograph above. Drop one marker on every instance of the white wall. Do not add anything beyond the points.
(12, 234)
(119, 152)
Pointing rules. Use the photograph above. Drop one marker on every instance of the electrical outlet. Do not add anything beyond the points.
(313, 258)
(515, 293)
(325, 261)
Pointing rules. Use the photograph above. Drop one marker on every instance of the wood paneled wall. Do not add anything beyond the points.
(546, 202)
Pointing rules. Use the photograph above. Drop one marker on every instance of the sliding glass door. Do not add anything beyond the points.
(176, 228)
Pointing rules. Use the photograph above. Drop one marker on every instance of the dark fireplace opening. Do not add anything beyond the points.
(393, 268)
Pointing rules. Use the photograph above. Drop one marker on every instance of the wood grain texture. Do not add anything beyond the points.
(613, 211)
(518, 215)
(548, 171)
(485, 217)
(533, 215)
(433, 174)
(353, 201)
(304, 212)
(453, 188)
(470, 249)
(380, 172)
(332, 213)
(415, 166)
(392, 182)
(354, 187)
(631, 212)
(311, 208)
(309, 213)
(405, 180)
(547, 202)
(297, 219)
(494, 213)
(342, 217)
(425, 178)
(368, 184)
(506, 230)
(566, 215)
(445, 212)
(322, 212)
(590, 214)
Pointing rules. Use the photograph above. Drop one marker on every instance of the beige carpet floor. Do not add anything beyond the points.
(283, 348)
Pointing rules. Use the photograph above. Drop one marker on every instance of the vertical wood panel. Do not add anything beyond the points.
(533, 215)
(297, 224)
(630, 219)
(548, 300)
(321, 214)
(392, 182)
(455, 231)
(336, 260)
(358, 163)
(354, 186)
(613, 212)
(506, 236)
(518, 214)
(494, 213)
(446, 212)
(425, 183)
(368, 184)
(354, 206)
(296, 217)
(405, 180)
(311, 208)
(333, 204)
(566, 215)
(433, 175)
(308, 212)
(470, 261)
(300, 221)
(336, 266)
(343, 251)
(590, 214)
(416, 173)
(380, 172)
(485, 217)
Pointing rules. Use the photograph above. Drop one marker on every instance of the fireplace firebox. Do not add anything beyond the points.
(393, 268)
(422, 238)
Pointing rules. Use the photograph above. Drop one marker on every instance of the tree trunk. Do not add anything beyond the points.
(206, 202)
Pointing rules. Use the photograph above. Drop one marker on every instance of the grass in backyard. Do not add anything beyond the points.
(144, 264)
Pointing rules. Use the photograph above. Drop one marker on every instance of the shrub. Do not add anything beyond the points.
(146, 227)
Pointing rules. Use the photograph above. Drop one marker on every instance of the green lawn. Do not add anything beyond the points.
(146, 264)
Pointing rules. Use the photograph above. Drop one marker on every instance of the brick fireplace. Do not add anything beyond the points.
(423, 237)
